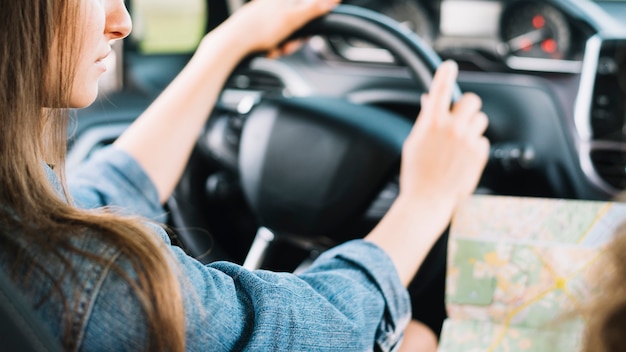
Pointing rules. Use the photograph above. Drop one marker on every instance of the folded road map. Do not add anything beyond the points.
(519, 270)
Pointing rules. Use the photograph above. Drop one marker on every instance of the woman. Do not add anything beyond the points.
(109, 279)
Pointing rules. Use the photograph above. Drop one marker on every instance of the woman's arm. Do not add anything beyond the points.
(442, 160)
(162, 138)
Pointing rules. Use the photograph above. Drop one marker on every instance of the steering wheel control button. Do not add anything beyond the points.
(247, 103)
(608, 104)
(512, 156)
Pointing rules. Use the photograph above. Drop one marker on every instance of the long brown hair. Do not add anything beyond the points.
(32, 214)
(606, 312)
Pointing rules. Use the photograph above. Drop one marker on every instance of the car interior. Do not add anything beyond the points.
(302, 152)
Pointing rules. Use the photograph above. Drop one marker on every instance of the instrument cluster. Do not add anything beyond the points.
(519, 34)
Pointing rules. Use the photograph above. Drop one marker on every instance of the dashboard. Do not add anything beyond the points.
(551, 74)
(490, 35)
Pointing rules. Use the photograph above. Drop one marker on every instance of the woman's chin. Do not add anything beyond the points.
(83, 100)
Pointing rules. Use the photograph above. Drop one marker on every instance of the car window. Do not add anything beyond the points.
(168, 27)
(171, 28)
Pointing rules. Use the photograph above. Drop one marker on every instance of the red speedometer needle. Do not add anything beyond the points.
(527, 40)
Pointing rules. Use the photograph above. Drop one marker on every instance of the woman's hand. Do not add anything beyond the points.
(445, 153)
(442, 160)
(263, 25)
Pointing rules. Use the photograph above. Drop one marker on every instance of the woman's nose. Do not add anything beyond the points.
(118, 22)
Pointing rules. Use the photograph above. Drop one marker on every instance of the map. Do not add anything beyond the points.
(519, 270)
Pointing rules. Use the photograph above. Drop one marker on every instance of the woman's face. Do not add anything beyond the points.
(101, 22)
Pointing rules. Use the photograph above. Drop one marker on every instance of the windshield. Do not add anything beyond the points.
(166, 27)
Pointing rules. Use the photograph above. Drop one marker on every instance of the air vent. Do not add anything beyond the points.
(608, 103)
(611, 166)
(255, 80)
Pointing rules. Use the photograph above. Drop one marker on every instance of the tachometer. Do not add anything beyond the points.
(408, 12)
(411, 15)
(535, 30)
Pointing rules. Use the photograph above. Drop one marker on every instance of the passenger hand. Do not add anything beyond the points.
(265, 24)
(445, 153)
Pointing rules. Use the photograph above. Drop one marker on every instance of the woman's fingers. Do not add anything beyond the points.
(286, 49)
(446, 152)
(478, 124)
(469, 103)
(265, 24)
(440, 93)
(464, 110)
(465, 114)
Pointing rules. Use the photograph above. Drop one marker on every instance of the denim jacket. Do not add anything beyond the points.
(350, 299)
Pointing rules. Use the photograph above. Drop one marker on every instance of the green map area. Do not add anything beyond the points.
(519, 269)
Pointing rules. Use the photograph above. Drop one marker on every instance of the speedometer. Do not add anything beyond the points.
(409, 13)
(535, 30)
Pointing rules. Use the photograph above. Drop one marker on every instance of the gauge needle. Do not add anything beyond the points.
(526, 40)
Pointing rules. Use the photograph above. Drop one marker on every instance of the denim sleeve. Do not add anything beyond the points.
(350, 299)
(111, 177)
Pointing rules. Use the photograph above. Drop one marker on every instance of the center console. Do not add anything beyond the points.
(608, 104)
(601, 115)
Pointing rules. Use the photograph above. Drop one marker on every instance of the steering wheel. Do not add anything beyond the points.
(309, 166)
